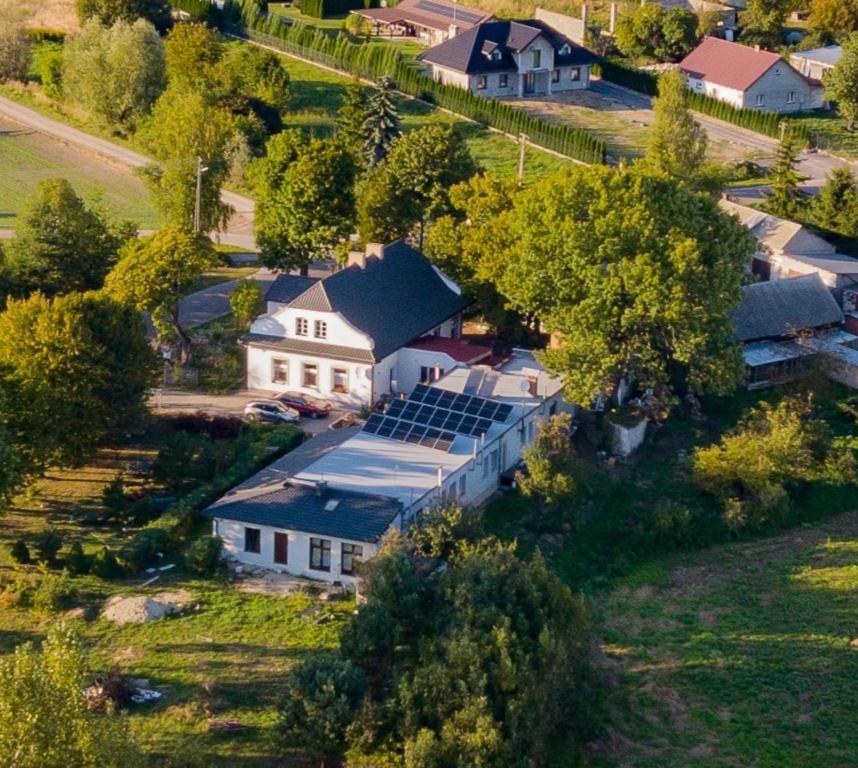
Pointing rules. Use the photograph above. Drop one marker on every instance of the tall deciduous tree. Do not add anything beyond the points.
(834, 17)
(133, 54)
(763, 22)
(841, 85)
(836, 206)
(381, 126)
(305, 194)
(677, 144)
(784, 199)
(650, 30)
(110, 11)
(61, 244)
(549, 462)
(44, 718)
(14, 48)
(76, 369)
(636, 275)
(154, 273)
(352, 115)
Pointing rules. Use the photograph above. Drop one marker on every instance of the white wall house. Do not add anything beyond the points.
(344, 337)
(511, 59)
(450, 442)
(746, 77)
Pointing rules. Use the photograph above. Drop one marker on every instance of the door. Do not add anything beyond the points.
(529, 82)
(281, 548)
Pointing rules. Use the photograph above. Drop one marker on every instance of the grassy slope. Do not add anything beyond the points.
(739, 656)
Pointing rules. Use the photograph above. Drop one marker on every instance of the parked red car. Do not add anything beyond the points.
(305, 405)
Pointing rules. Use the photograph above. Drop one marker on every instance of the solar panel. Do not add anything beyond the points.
(373, 423)
(448, 11)
(396, 407)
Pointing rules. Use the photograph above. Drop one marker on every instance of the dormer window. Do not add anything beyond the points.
(565, 50)
(496, 54)
(302, 326)
(320, 329)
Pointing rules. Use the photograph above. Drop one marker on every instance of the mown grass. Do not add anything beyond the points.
(740, 655)
(225, 658)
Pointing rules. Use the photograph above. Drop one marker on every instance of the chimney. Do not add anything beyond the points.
(356, 259)
(321, 487)
(440, 475)
(612, 24)
(757, 47)
(585, 14)
(453, 31)
(375, 249)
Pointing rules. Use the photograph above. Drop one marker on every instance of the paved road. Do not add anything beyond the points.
(213, 302)
(240, 228)
(814, 165)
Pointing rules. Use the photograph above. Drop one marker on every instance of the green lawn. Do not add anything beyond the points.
(26, 158)
(742, 655)
(224, 660)
(828, 132)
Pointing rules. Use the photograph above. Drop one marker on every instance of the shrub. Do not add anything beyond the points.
(191, 457)
(76, 562)
(144, 549)
(48, 544)
(20, 552)
(203, 556)
(105, 565)
(14, 51)
(53, 592)
(216, 427)
(49, 66)
(113, 496)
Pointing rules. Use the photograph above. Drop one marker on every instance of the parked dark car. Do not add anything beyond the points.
(305, 405)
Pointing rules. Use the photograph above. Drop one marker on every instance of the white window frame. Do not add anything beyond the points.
(791, 97)
(760, 100)
(320, 329)
(302, 326)
(304, 367)
(575, 74)
(482, 82)
(555, 75)
(503, 80)
(345, 388)
(279, 362)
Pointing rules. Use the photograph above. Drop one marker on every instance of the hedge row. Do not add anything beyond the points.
(767, 123)
(323, 9)
(375, 61)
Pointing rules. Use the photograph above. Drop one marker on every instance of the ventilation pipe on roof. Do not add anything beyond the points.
(440, 476)
(356, 259)
(612, 24)
(375, 249)
(585, 14)
(453, 31)
(321, 487)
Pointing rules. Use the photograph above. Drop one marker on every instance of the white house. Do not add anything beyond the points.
(750, 78)
(326, 507)
(817, 62)
(511, 58)
(359, 333)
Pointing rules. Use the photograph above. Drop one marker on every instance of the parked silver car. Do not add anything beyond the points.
(270, 411)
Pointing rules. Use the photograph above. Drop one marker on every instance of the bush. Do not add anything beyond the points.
(53, 592)
(20, 552)
(76, 562)
(48, 544)
(49, 66)
(216, 427)
(203, 556)
(113, 496)
(144, 549)
(105, 565)
(190, 457)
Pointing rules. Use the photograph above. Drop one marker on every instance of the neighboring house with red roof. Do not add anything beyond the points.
(749, 77)
(430, 21)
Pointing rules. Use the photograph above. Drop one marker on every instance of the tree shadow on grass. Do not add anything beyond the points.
(12, 638)
(311, 94)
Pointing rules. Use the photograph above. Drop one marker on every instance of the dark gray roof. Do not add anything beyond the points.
(314, 348)
(778, 308)
(467, 52)
(394, 299)
(288, 287)
(296, 507)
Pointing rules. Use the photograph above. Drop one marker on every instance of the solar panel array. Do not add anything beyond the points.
(448, 11)
(433, 417)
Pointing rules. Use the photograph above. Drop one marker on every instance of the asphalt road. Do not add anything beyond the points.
(814, 165)
(240, 229)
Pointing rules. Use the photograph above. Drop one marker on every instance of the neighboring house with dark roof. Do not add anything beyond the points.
(786, 326)
(750, 78)
(345, 337)
(429, 21)
(511, 58)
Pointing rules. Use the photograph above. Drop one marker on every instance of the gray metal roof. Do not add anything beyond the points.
(465, 52)
(828, 55)
(778, 308)
(325, 512)
(394, 299)
(286, 288)
(314, 348)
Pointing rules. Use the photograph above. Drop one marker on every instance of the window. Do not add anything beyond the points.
(791, 97)
(311, 376)
(320, 329)
(485, 466)
(463, 486)
(575, 73)
(429, 373)
(503, 81)
(530, 430)
(536, 58)
(279, 371)
(565, 49)
(320, 554)
(761, 100)
(340, 379)
(481, 82)
(494, 460)
(352, 554)
(555, 75)
(552, 409)
(252, 540)
(302, 327)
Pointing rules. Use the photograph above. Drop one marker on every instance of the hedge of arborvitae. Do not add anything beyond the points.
(375, 61)
(323, 9)
(767, 123)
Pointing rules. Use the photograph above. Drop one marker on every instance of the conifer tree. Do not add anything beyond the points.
(783, 200)
(352, 115)
(381, 126)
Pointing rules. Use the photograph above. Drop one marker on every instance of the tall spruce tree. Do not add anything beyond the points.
(784, 199)
(381, 127)
(352, 115)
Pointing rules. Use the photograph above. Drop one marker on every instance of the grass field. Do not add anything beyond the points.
(26, 158)
(224, 660)
(743, 655)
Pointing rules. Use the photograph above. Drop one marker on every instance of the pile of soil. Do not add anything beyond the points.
(138, 609)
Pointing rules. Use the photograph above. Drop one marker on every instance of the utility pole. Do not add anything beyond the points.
(201, 169)
(522, 146)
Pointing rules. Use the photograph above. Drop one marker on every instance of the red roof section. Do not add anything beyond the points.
(460, 350)
(728, 64)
